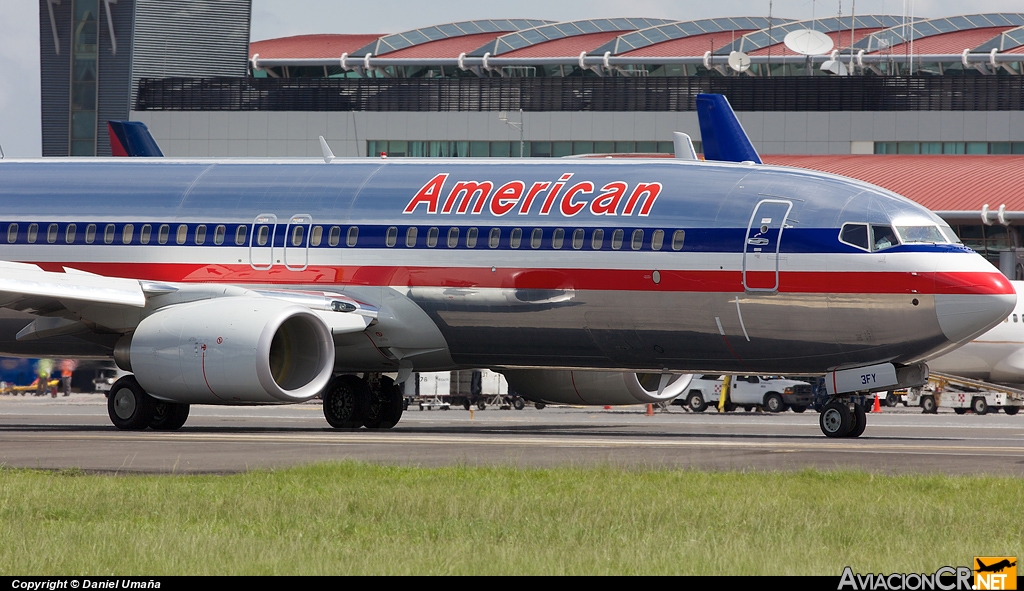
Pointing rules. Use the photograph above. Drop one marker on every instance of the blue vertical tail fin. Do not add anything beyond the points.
(721, 134)
(131, 138)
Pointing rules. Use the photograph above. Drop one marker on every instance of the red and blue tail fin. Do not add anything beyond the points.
(132, 138)
(721, 134)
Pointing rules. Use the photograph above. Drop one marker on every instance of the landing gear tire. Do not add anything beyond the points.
(481, 405)
(979, 406)
(729, 407)
(345, 402)
(129, 406)
(518, 404)
(928, 405)
(860, 421)
(696, 403)
(835, 419)
(385, 409)
(1011, 410)
(465, 404)
(891, 399)
(539, 405)
(798, 408)
(773, 402)
(169, 416)
(960, 411)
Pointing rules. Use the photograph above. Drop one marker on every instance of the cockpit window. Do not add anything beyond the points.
(883, 237)
(919, 234)
(949, 234)
(855, 235)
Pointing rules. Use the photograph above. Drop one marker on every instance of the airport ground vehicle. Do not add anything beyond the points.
(963, 395)
(771, 393)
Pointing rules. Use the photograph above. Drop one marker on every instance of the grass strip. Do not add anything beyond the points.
(356, 518)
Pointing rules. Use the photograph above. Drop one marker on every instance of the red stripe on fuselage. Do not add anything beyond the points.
(963, 282)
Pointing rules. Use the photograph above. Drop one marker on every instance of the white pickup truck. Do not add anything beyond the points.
(770, 393)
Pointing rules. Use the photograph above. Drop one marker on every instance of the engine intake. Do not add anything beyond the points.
(233, 350)
(594, 387)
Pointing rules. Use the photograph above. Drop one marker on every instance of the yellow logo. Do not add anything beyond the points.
(995, 573)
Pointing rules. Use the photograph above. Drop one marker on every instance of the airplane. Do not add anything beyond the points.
(273, 281)
(996, 356)
(994, 568)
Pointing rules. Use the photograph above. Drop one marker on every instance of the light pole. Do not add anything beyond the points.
(503, 116)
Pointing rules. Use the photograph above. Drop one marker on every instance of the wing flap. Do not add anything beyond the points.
(23, 281)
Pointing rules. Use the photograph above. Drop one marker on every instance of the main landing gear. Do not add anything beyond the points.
(841, 418)
(132, 409)
(374, 402)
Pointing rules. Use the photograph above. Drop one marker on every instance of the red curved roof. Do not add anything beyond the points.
(309, 46)
(952, 42)
(938, 182)
(692, 45)
(450, 47)
(566, 46)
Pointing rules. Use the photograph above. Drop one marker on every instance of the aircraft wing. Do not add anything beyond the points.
(75, 301)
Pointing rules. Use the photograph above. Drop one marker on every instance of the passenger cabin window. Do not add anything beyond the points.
(638, 239)
(432, 237)
(617, 239)
(316, 236)
(677, 239)
(145, 233)
(855, 235)
(453, 237)
(494, 238)
(536, 237)
(69, 233)
(334, 237)
(471, 236)
(200, 234)
(127, 233)
(33, 232)
(240, 233)
(657, 239)
(108, 234)
(51, 233)
(12, 233)
(516, 238)
(410, 237)
(353, 236)
(597, 239)
(218, 235)
(263, 235)
(90, 233)
(298, 233)
(557, 238)
(577, 238)
(163, 235)
(182, 235)
(391, 238)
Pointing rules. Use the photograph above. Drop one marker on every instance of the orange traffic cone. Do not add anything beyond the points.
(650, 410)
(877, 407)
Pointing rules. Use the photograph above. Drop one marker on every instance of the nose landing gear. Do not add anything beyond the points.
(841, 418)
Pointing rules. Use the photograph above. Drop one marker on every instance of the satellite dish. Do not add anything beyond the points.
(808, 42)
(739, 61)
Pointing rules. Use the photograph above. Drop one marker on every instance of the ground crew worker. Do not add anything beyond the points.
(67, 367)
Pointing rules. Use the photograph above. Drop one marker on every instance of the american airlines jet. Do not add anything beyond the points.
(585, 281)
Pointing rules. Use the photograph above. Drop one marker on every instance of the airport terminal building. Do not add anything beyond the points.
(950, 89)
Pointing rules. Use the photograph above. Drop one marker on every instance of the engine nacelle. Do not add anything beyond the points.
(594, 387)
(233, 350)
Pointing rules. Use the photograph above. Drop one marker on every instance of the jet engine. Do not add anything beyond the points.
(235, 350)
(594, 387)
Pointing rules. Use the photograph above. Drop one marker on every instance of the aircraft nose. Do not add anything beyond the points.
(973, 303)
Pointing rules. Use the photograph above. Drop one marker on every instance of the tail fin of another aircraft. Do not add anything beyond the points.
(132, 138)
(721, 134)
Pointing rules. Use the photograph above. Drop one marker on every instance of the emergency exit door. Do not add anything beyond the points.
(762, 243)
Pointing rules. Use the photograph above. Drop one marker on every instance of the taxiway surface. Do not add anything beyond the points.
(74, 432)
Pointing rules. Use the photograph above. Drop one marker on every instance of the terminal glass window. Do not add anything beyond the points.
(84, 74)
